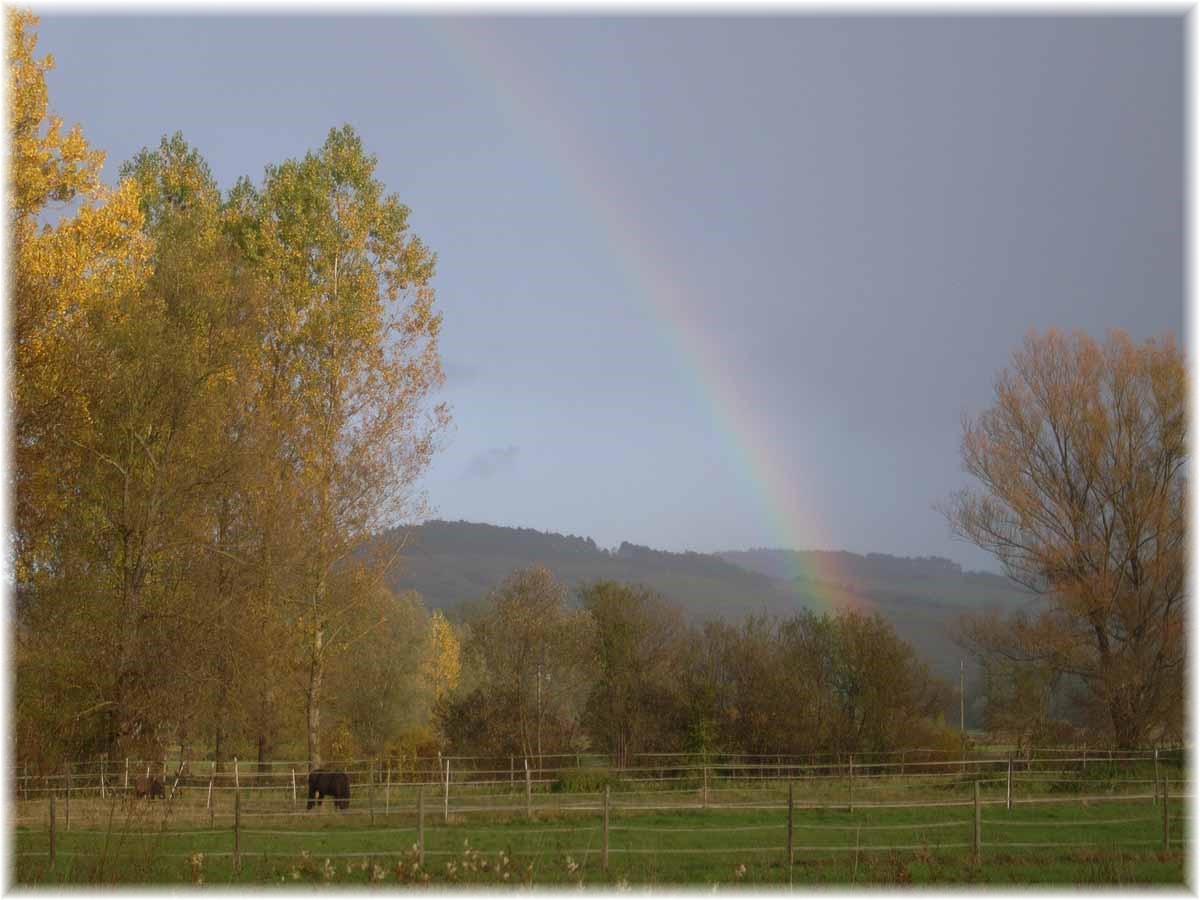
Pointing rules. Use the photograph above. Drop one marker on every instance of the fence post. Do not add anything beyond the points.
(604, 857)
(528, 792)
(67, 822)
(1166, 815)
(1008, 792)
(446, 796)
(512, 771)
(103, 757)
(127, 774)
(371, 792)
(387, 789)
(420, 825)
(706, 787)
(1156, 775)
(851, 782)
(237, 830)
(210, 785)
(293, 786)
(976, 836)
(52, 848)
(791, 856)
(236, 783)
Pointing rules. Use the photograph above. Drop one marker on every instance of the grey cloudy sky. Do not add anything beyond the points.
(723, 282)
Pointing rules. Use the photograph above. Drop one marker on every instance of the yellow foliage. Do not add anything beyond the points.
(340, 744)
(47, 165)
(441, 665)
(62, 273)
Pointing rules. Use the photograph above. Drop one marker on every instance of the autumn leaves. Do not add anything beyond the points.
(218, 398)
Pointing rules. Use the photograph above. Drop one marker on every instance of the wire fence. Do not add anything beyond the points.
(513, 764)
(1141, 803)
(1160, 828)
(103, 776)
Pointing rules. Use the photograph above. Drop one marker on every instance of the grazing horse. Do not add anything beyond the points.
(323, 784)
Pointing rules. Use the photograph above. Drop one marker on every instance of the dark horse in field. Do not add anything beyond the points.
(329, 784)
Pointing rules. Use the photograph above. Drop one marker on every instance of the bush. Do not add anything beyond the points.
(585, 780)
(1100, 777)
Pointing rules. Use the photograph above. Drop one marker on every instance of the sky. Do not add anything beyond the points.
(707, 283)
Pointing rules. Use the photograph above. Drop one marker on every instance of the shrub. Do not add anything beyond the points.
(585, 780)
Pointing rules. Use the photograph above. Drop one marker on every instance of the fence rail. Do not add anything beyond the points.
(104, 775)
(646, 761)
(81, 801)
(1159, 828)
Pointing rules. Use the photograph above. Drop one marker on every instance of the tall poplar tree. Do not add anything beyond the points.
(352, 357)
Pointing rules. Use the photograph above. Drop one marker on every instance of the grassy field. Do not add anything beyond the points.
(1095, 842)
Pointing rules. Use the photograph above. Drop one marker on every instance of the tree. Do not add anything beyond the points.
(352, 357)
(62, 271)
(883, 696)
(1024, 704)
(1081, 461)
(110, 631)
(808, 684)
(166, 376)
(378, 692)
(216, 402)
(529, 655)
(636, 641)
(441, 659)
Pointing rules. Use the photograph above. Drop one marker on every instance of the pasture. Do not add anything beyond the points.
(951, 822)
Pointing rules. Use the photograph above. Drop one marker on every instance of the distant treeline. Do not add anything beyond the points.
(452, 564)
(624, 673)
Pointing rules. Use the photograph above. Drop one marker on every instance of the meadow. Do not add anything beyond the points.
(1064, 824)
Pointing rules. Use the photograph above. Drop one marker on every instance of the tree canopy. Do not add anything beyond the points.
(1082, 469)
(219, 398)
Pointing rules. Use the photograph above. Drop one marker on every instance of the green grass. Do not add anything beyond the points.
(741, 846)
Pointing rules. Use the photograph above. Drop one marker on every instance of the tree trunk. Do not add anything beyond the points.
(262, 757)
(122, 723)
(313, 696)
(1127, 728)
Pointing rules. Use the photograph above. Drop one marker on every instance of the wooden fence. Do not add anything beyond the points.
(607, 812)
(104, 776)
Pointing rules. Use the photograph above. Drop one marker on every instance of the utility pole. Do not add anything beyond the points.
(962, 699)
(539, 715)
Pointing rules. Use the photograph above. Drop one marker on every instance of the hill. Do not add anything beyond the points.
(454, 564)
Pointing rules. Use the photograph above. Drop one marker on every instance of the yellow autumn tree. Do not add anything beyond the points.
(351, 360)
(76, 246)
(441, 664)
(151, 594)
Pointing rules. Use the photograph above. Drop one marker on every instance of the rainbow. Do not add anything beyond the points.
(527, 104)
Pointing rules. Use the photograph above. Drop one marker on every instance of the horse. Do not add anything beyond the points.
(323, 784)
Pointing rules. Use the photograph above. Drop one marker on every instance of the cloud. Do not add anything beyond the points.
(492, 461)
(459, 373)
